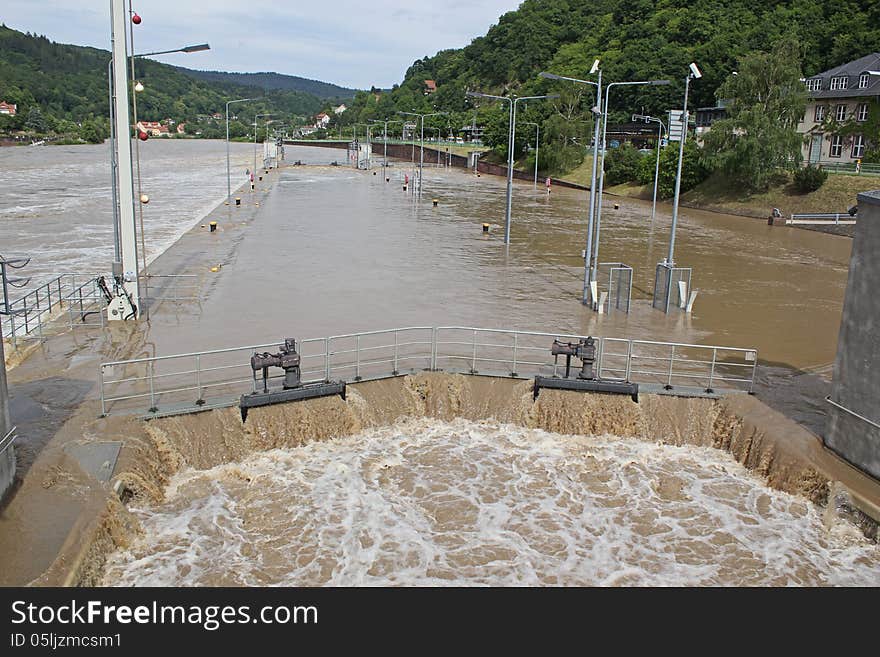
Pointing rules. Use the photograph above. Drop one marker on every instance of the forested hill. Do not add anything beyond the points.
(275, 81)
(67, 85)
(636, 40)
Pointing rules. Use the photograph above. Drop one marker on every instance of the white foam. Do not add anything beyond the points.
(433, 503)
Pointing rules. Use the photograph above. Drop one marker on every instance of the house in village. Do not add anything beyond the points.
(322, 120)
(8, 108)
(842, 96)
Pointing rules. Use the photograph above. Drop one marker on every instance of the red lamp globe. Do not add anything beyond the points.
(136, 19)
(142, 135)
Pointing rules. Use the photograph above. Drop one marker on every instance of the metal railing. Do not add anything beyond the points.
(822, 218)
(850, 168)
(35, 309)
(209, 379)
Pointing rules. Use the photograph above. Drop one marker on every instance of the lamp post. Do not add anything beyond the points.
(692, 74)
(114, 194)
(422, 118)
(511, 137)
(257, 116)
(661, 127)
(537, 142)
(385, 151)
(602, 169)
(597, 114)
(228, 183)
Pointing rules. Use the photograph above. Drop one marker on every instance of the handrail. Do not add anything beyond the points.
(852, 412)
(390, 352)
(7, 440)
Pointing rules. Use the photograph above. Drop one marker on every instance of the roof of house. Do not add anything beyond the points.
(852, 70)
(431, 85)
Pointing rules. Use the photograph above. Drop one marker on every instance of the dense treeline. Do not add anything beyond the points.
(323, 90)
(636, 40)
(63, 89)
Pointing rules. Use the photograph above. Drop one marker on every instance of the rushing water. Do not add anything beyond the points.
(55, 201)
(432, 503)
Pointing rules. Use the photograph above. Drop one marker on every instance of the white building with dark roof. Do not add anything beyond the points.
(844, 95)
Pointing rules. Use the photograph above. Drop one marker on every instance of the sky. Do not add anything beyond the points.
(353, 43)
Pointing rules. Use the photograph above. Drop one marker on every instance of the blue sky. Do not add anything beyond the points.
(355, 43)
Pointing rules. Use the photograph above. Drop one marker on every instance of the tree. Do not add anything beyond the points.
(765, 101)
(35, 120)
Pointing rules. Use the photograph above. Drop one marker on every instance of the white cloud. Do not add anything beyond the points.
(348, 42)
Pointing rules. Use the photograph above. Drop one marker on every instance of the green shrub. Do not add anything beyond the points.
(809, 179)
(622, 165)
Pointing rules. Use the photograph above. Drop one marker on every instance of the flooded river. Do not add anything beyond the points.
(332, 250)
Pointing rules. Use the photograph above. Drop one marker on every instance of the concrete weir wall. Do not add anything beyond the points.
(856, 382)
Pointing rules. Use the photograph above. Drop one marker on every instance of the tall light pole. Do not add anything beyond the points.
(511, 137)
(602, 169)
(694, 73)
(257, 116)
(661, 127)
(228, 183)
(385, 151)
(117, 78)
(587, 299)
(422, 118)
(537, 142)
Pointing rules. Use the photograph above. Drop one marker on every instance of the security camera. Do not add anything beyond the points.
(595, 67)
(695, 71)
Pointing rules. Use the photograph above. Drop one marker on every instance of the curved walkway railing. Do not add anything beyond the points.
(167, 385)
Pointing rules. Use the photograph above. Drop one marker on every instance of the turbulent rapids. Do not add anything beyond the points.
(434, 502)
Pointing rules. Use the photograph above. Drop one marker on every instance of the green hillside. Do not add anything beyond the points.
(636, 40)
(275, 81)
(57, 87)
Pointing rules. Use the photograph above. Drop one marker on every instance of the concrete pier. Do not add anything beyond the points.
(854, 411)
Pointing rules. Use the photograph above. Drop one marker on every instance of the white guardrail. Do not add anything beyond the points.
(166, 385)
(822, 218)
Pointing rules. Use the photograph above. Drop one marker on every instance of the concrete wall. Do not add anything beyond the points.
(7, 456)
(856, 383)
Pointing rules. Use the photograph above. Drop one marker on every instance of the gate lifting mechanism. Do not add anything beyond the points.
(586, 381)
(293, 389)
(119, 302)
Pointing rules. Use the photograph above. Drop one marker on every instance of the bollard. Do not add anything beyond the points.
(213, 226)
(485, 228)
(435, 201)
(388, 180)
(617, 206)
(404, 188)
(260, 178)
(238, 200)
(252, 186)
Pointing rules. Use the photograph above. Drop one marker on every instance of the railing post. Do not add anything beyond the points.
(327, 359)
(629, 356)
(254, 372)
(671, 361)
(101, 382)
(357, 354)
(394, 369)
(513, 372)
(712, 371)
(199, 400)
(474, 352)
(434, 349)
(26, 328)
(754, 372)
(153, 407)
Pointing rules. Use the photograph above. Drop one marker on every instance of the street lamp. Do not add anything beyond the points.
(228, 183)
(661, 127)
(511, 137)
(256, 116)
(385, 141)
(597, 114)
(602, 169)
(422, 118)
(537, 142)
(693, 74)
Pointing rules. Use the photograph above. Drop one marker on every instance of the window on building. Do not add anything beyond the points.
(858, 150)
(840, 113)
(863, 80)
(814, 84)
(839, 83)
(862, 112)
(836, 146)
(820, 113)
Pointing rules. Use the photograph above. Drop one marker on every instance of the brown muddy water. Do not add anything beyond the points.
(492, 499)
(325, 492)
